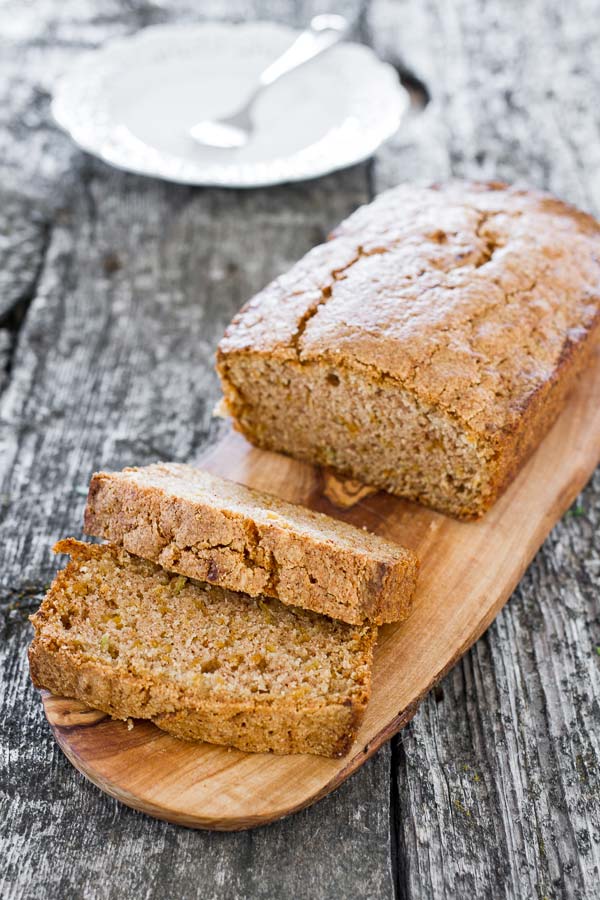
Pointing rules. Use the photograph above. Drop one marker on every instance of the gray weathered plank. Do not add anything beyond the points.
(497, 778)
(113, 365)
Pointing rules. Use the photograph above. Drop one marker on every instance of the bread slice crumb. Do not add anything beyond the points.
(203, 663)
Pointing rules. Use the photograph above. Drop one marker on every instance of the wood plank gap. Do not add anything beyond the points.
(12, 322)
(397, 857)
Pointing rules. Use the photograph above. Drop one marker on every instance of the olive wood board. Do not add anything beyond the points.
(468, 572)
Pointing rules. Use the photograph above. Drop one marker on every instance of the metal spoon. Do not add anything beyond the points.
(235, 131)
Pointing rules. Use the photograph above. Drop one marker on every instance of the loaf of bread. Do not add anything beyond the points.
(427, 346)
(128, 638)
(197, 524)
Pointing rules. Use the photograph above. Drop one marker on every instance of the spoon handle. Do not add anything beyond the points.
(323, 33)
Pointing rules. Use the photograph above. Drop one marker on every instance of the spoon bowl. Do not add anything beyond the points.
(222, 134)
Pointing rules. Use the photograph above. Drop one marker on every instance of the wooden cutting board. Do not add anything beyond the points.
(468, 572)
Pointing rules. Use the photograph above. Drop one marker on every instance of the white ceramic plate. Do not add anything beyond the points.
(133, 101)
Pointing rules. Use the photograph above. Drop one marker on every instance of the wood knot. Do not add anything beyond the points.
(63, 712)
(344, 492)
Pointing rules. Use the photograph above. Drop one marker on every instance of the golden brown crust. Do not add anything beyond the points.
(477, 301)
(197, 524)
(68, 657)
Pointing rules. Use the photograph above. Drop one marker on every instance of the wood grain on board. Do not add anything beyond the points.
(468, 571)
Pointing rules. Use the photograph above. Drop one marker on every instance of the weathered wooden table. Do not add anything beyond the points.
(114, 290)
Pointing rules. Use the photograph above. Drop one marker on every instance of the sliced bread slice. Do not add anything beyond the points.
(202, 526)
(128, 638)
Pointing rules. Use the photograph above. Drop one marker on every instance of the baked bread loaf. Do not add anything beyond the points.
(427, 346)
(125, 637)
(197, 524)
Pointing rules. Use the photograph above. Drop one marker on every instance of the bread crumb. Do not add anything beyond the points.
(160, 657)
